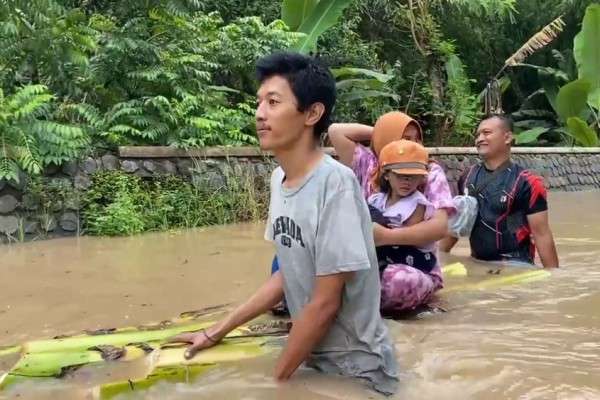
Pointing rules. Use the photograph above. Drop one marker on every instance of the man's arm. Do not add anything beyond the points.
(344, 138)
(543, 239)
(419, 235)
(313, 323)
(263, 300)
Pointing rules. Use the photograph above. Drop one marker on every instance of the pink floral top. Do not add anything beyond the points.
(437, 190)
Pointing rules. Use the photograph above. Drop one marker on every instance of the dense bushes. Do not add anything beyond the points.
(122, 204)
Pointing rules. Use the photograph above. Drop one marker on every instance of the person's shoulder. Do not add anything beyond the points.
(376, 198)
(277, 175)
(337, 177)
(527, 176)
(435, 168)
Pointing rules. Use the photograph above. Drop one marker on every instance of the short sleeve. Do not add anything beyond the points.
(462, 181)
(341, 245)
(269, 227)
(532, 196)
(363, 163)
(276, 176)
(437, 190)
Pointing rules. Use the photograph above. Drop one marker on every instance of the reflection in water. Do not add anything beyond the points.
(535, 341)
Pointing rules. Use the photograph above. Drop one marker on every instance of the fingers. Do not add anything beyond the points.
(187, 337)
(192, 350)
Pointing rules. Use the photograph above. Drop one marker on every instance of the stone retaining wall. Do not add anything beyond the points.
(29, 213)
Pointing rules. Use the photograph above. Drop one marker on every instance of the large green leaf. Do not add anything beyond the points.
(530, 135)
(594, 99)
(323, 17)
(360, 83)
(455, 68)
(586, 47)
(572, 99)
(347, 71)
(295, 12)
(581, 132)
(360, 94)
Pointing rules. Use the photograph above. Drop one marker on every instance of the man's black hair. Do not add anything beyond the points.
(507, 121)
(311, 82)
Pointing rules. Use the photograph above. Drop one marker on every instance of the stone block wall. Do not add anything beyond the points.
(561, 172)
(28, 213)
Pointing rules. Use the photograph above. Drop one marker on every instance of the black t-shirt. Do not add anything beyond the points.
(501, 230)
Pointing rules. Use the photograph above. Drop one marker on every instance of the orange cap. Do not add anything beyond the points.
(404, 157)
(390, 127)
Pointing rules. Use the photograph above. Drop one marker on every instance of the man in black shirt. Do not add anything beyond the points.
(512, 218)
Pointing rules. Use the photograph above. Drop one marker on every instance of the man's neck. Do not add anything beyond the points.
(493, 163)
(298, 161)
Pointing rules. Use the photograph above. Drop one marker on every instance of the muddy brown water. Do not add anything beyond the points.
(538, 340)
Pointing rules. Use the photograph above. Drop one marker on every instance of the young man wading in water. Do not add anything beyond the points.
(320, 225)
(512, 217)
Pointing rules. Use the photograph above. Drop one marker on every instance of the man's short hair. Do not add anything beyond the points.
(311, 82)
(507, 121)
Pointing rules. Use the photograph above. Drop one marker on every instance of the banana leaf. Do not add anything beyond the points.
(572, 99)
(295, 12)
(582, 132)
(586, 47)
(323, 16)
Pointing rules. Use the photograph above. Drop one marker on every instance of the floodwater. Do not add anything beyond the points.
(538, 340)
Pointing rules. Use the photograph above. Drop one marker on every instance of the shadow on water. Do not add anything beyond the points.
(538, 340)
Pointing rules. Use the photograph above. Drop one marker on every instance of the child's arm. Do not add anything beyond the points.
(417, 216)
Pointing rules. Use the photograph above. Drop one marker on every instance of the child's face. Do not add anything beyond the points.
(404, 185)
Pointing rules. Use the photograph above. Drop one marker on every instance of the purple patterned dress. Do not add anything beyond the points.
(404, 287)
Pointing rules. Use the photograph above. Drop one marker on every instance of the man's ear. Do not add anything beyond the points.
(508, 137)
(314, 113)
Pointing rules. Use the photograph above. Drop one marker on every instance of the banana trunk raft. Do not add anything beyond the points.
(105, 363)
(108, 362)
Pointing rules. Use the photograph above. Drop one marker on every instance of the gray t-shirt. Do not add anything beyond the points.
(323, 227)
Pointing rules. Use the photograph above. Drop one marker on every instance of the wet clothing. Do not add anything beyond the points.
(404, 287)
(309, 225)
(395, 216)
(501, 230)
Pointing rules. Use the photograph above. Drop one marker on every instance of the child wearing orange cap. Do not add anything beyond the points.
(403, 168)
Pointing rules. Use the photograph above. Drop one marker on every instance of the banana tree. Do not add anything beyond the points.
(359, 84)
(311, 17)
(578, 102)
(574, 96)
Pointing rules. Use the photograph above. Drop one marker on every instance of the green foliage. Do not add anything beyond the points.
(323, 16)
(31, 136)
(113, 205)
(142, 73)
(581, 132)
(586, 49)
(295, 12)
(530, 136)
(464, 104)
(572, 99)
(122, 204)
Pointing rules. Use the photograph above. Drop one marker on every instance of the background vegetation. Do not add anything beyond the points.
(84, 76)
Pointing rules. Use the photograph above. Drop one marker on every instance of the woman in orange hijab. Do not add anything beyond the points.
(346, 139)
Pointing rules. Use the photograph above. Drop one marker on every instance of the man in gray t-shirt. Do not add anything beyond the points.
(323, 227)
(322, 231)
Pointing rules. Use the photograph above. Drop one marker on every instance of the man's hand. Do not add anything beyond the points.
(199, 340)
(262, 301)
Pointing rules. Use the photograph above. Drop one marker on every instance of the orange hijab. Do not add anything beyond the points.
(388, 128)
